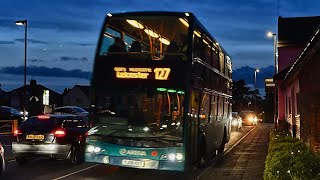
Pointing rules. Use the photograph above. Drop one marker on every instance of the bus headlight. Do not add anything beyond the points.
(179, 156)
(97, 149)
(90, 149)
(172, 157)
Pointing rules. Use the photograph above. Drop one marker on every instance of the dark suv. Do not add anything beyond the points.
(56, 136)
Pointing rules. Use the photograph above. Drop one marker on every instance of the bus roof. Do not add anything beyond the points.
(169, 13)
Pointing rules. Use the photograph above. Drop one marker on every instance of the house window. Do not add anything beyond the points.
(289, 102)
(298, 102)
(78, 100)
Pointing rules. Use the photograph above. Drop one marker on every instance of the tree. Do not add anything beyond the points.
(239, 93)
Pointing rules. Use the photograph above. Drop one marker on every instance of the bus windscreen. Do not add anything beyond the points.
(154, 115)
(153, 37)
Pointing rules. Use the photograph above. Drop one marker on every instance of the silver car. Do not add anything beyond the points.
(236, 122)
(2, 163)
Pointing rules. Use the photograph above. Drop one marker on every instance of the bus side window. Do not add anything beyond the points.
(221, 62)
(220, 107)
(204, 111)
(215, 58)
(108, 39)
(214, 108)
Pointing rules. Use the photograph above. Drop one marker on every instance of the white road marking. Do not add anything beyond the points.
(12, 160)
(76, 172)
(228, 150)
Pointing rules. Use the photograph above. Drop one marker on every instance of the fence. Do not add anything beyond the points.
(8, 126)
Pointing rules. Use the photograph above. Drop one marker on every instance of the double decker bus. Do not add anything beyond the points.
(160, 93)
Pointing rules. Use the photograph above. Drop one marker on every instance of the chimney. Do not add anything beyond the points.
(33, 82)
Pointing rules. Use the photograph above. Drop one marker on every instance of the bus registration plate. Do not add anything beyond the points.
(132, 163)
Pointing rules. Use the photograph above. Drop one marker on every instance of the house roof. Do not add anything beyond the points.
(20, 89)
(301, 60)
(84, 89)
(296, 31)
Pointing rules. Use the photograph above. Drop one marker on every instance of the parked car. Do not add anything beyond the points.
(2, 162)
(249, 117)
(59, 136)
(71, 110)
(9, 113)
(236, 121)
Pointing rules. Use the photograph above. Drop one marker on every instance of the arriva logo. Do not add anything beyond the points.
(123, 152)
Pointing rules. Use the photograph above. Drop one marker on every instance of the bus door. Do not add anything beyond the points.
(193, 124)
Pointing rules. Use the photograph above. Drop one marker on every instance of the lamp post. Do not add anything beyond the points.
(255, 86)
(274, 35)
(25, 24)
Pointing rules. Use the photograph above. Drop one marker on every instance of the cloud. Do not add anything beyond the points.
(36, 60)
(86, 44)
(66, 58)
(33, 41)
(6, 42)
(45, 71)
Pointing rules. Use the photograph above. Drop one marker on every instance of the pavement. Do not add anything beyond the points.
(246, 161)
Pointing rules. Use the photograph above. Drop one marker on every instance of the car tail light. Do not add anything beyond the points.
(59, 133)
(16, 132)
(43, 117)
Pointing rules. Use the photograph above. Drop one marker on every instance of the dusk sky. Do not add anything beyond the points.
(64, 33)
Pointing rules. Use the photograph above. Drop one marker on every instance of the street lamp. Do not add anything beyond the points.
(25, 24)
(255, 86)
(274, 35)
(255, 78)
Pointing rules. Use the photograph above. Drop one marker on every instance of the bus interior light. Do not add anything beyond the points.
(180, 92)
(135, 23)
(171, 90)
(184, 22)
(164, 41)
(161, 89)
(151, 33)
(197, 33)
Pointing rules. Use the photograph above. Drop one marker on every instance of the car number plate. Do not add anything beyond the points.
(132, 163)
(32, 136)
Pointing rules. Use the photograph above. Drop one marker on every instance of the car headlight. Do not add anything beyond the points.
(250, 118)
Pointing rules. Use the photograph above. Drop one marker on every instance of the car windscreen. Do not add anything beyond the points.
(40, 125)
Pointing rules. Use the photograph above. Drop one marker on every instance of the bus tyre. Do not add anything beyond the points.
(203, 162)
(223, 143)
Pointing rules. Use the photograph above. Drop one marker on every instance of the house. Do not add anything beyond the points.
(3, 97)
(298, 86)
(34, 96)
(77, 96)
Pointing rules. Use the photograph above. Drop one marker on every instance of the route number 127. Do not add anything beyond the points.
(161, 73)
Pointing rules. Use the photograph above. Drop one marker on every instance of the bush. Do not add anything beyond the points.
(289, 158)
